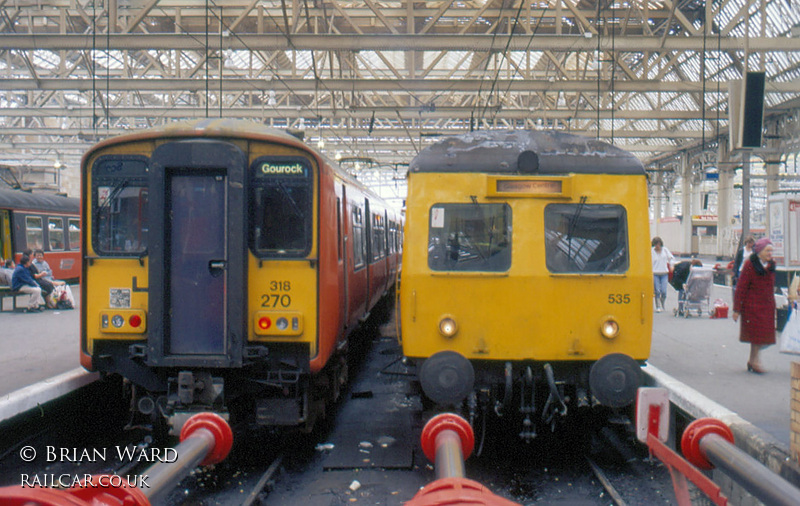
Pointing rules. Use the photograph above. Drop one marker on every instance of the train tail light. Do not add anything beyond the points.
(264, 322)
(135, 320)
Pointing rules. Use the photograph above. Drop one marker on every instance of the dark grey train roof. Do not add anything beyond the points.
(18, 199)
(525, 152)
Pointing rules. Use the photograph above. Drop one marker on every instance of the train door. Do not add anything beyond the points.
(369, 259)
(199, 260)
(6, 251)
(341, 245)
(389, 248)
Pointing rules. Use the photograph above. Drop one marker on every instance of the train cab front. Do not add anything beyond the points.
(190, 296)
(525, 295)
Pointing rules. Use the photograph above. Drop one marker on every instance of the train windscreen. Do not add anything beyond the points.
(281, 207)
(119, 200)
(470, 237)
(586, 238)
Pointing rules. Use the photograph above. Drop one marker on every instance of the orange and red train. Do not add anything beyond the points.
(224, 267)
(41, 221)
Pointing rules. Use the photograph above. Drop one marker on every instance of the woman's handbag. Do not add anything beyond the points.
(790, 337)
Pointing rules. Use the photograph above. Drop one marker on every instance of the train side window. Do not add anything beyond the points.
(378, 240)
(469, 237)
(586, 238)
(281, 207)
(34, 233)
(55, 233)
(358, 238)
(74, 234)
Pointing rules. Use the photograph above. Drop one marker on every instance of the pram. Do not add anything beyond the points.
(696, 293)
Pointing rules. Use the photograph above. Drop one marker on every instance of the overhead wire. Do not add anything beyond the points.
(527, 48)
(282, 82)
(486, 67)
(504, 54)
(206, 44)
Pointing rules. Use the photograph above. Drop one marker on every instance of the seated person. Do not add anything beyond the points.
(6, 271)
(680, 273)
(46, 286)
(61, 296)
(44, 268)
(61, 291)
(22, 281)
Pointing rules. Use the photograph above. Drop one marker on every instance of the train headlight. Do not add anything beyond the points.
(117, 321)
(448, 326)
(609, 328)
(282, 323)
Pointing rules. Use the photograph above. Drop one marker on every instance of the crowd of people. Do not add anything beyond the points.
(33, 276)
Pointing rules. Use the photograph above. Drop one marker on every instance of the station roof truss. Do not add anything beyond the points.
(382, 79)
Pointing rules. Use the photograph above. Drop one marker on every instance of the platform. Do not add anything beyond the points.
(706, 354)
(37, 346)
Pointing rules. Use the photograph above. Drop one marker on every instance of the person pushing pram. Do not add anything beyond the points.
(693, 283)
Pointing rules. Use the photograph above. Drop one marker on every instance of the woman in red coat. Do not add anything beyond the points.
(754, 300)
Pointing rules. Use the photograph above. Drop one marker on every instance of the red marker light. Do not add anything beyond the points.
(264, 323)
(135, 320)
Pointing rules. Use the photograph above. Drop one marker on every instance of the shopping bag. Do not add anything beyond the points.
(790, 337)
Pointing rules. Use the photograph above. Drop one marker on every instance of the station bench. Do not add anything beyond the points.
(6, 292)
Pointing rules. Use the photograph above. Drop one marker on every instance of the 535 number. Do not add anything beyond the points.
(619, 298)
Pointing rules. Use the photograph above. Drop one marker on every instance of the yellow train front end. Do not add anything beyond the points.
(200, 271)
(526, 284)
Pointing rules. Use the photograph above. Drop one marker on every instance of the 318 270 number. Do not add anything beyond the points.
(275, 300)
(619, 298)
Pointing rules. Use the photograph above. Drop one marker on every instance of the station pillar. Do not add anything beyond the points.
(794, 425)
(658, 202)
(686, 204)
(727, 242)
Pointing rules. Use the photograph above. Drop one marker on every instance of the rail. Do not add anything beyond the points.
(706, 443)
(447, 439)
(205, 438)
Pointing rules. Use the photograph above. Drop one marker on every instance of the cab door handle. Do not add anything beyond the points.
(217, 267)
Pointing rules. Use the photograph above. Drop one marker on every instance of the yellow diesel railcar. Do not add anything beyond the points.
(526, 285)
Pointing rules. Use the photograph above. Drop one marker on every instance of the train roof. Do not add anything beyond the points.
(231, 128)
(19, 199)
(530, 152)
(206, 127)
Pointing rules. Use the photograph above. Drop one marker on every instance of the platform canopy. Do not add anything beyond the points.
(371, 82)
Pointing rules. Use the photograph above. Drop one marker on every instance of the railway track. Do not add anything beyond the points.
(368, 452)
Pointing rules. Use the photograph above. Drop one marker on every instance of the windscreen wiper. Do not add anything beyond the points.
(573, 222)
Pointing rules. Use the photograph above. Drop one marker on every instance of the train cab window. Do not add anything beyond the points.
(55, 233)
(119, 205)
(586, 238)
(34, 233)
(281, 207)
(470, 237)
(74, 234)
